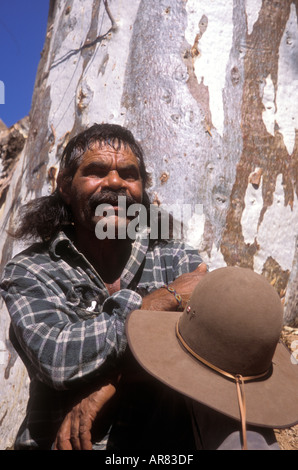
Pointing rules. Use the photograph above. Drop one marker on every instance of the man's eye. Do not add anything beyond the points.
(95, 173)
(129, 175)
(99, 174)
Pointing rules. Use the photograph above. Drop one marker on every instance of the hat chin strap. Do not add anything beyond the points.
(238, 378)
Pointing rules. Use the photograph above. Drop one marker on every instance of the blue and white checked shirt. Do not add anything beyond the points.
(66, 325)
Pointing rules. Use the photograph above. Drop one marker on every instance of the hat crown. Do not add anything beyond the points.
(233, 320)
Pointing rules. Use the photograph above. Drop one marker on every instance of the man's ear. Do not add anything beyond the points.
(64, 186)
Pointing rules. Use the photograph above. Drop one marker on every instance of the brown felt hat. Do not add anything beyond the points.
(230, 328)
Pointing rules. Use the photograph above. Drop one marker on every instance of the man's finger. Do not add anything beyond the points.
(62, 441)
(85, 434)
(75, 428)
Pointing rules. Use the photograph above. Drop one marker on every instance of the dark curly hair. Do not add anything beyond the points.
(44, 217)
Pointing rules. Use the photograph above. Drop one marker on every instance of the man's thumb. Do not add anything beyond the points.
(202, 268)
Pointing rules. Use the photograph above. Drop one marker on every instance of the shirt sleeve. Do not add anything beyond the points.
(177, 258)
(186, 259)
(62, 352)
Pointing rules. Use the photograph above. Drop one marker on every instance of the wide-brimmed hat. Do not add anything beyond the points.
(228, 334)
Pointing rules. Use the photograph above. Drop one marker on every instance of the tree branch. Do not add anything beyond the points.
(88, 44)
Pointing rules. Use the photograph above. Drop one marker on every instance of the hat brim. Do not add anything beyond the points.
(270, 403)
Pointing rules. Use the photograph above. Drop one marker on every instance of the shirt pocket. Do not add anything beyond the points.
(85, 300)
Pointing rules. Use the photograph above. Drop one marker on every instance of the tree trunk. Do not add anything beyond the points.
(210, 91)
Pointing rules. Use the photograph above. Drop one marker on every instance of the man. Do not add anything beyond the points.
(69, 295)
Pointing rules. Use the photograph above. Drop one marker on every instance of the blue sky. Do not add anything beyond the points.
(22, 35)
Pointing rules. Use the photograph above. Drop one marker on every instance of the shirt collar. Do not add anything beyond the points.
(63, 242)
(138, 253)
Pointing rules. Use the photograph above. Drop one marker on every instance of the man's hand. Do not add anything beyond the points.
(75, 431)
(184, 285)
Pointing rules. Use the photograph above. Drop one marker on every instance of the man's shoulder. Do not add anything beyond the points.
(172, 245)
(34, 253)
(41, 251)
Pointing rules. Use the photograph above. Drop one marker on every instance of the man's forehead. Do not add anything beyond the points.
(105, 152)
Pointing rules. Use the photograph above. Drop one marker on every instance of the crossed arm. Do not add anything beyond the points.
(75, 431)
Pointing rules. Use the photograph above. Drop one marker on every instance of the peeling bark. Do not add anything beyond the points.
(291, 297)
(260, 149)
(12, 142)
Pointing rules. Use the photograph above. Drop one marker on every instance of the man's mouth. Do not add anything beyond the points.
(112, 199)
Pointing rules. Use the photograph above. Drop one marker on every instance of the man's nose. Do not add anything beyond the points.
(114, 181)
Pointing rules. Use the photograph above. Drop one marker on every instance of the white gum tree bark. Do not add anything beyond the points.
(210, 89)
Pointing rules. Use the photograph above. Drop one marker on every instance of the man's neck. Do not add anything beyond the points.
(108, 257)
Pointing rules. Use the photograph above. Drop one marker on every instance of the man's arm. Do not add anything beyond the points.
(61, 350)
(162, 299)
(75, 431)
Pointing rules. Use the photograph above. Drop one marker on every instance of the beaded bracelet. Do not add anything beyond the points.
(177, 296)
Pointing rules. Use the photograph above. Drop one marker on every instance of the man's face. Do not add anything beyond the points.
(103, 175)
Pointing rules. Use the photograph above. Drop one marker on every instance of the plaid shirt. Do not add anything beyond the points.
(66, 326)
